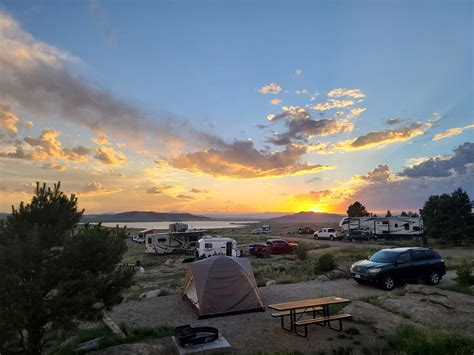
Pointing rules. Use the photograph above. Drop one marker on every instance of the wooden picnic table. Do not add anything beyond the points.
(302, 307)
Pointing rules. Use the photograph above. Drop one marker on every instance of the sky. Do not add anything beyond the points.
(237, 106)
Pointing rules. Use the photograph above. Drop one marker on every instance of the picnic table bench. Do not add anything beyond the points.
(303, 307)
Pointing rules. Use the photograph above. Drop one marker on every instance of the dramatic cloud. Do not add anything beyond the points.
(47, 147)
(451, 132)
(275, 101)
(380, 173)
(380, 138)
(38, 78)
(272, 88)
(443, 167)
(353, 93)
(301, 127)
(240, 160)
(108, 155)
(8, 120)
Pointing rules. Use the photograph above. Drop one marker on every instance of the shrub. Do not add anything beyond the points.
(302, 251)
(326, 262)
(409, 340)
(464, 272)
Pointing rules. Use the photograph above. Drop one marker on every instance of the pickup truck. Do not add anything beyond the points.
(328, 233)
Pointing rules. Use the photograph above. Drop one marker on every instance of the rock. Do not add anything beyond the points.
(270, 282)
(169, 262)
(426, 305)
(88, 345)
(150, 294)
(322, 278)
(151, 347)
(380, 319)
(113, 327)
(336, 274)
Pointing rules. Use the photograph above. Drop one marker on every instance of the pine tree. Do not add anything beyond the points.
(54, 273)
(357, 210)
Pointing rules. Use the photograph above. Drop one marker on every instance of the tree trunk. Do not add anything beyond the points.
(34, 339)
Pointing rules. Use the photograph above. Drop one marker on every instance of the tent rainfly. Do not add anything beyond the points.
(221, 285)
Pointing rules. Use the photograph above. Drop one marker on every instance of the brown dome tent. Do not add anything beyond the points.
(221, 285)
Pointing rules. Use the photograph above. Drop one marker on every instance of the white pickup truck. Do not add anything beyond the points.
(328, 233)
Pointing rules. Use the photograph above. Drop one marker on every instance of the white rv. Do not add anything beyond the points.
(385, 227)
(177, 241)
(210, 246)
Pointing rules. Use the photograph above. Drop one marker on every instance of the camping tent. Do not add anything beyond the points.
(221, 285)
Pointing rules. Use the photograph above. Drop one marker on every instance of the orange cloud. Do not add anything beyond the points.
(108, 155)
(240, 160)
(451, 132)
(272, 88)
(380, 138)
(275, 101)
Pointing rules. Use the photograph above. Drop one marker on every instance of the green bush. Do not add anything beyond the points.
(409, 340)
(326, 262)
(464, 272)
(302, 251)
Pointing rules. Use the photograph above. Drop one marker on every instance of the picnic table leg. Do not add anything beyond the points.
(292, 321)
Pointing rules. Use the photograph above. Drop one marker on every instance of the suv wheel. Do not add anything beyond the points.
(388, 282)
(433, 278)
(353, 240)
(331, 237)
(316, 236)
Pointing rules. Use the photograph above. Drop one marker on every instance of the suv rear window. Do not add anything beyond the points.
(419, 255)
(331, 230)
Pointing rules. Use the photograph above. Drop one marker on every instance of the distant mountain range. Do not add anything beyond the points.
(139, 216)
(307, 217)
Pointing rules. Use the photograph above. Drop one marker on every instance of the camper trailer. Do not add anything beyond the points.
(179, 240)
(210, 246)
(385, 227)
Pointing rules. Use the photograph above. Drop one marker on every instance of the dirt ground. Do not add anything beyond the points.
(254, 332)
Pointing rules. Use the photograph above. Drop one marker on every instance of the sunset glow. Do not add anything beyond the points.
(165, 108)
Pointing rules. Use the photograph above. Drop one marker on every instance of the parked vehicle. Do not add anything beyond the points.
(177, 240)
(209, 246)
(388, 267)
(280, 246)
(385, 227)
(138, 238)
(261, 230)
(360, 235)
(328, 233)
(258, 249)
(306, 230)
(266, 228)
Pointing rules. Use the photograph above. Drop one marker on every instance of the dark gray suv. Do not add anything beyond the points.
(388, 267)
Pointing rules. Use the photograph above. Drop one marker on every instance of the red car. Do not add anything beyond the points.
(280, 246)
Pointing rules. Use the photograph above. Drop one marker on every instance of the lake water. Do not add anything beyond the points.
(191, 224)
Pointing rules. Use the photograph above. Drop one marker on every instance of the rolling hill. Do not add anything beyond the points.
(142, 216)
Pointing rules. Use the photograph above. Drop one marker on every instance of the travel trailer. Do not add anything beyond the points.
(385, 227)
(210, 246)
(179, 240)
